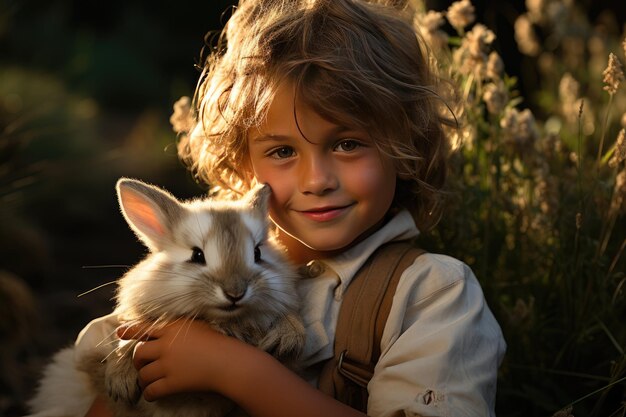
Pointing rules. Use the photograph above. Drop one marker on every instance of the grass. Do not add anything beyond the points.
(538, 214)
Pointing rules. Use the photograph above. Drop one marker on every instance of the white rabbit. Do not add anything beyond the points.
(210, 260)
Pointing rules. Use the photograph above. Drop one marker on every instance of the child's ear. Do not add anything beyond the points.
(150, 211)
(258, 199)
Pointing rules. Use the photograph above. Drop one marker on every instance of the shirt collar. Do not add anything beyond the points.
(346, 264)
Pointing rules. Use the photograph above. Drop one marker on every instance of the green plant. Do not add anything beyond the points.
(537, 205)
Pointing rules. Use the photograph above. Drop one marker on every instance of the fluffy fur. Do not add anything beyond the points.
(208, 260)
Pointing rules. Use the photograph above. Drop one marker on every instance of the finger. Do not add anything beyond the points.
(156, 390)
(150, 373)
(145, 353)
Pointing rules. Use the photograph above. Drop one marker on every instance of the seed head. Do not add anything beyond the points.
(495, 66)
(181, 119)
(619, 154)
(613, 74)
(495, 97)
(429, 25)
(461, 14)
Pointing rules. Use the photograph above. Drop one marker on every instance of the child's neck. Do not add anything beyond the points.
(301, 254)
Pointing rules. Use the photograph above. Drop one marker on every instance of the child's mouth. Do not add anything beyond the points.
(324, 214)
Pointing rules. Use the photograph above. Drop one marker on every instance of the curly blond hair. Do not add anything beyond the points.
(359, 64)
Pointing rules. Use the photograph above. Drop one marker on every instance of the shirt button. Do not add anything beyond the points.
(313, 269)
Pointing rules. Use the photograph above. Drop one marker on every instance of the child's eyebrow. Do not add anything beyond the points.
(263, 137)
(270, 137)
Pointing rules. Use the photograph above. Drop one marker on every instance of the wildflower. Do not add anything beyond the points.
(479, 39)
(461, 14)
(430, 27)
(495, 66)
(519, 127)
(613, 74)
(471, 56)
(181, 119)
(525, 36)
(495, 97)
(619, 153)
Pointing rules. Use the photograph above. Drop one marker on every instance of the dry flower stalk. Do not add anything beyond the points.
(429, 26)
(495, 97)
(182, 118)
(613, 74)
(619, 153)
(495, 66)
(461, 14)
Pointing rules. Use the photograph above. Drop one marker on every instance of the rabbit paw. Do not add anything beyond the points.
(121, 380)
(286, 338)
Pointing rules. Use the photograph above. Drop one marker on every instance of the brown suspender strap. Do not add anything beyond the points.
(362, 317)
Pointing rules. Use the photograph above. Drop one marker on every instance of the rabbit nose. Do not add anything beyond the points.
(234, 296)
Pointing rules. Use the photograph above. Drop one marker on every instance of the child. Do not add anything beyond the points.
(332, 103)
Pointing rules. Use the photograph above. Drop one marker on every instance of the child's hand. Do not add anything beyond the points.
(188, 356)
(183, 356)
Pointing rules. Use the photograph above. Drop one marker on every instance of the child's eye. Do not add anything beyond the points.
(197, 256)
(347, 145)
(282, 152)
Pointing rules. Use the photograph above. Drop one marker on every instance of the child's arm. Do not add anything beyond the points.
(190, 356)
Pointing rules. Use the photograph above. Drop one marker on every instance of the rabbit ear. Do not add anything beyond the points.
(150, 211)
(258, 199)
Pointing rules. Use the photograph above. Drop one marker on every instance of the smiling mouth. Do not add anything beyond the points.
(324, 214)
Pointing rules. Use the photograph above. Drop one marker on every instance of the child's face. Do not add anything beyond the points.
(327, 191)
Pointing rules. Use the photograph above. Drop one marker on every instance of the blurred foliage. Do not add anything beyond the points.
(537, 198)
(86, 90)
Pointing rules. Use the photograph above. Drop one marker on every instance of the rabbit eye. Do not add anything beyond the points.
(257, 254)
(197, 256)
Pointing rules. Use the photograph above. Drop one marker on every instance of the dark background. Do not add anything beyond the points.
(86, 90)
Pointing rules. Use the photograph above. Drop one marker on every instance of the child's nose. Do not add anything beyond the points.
(317, 176)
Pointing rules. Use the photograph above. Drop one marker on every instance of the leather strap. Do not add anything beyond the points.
(361, 322)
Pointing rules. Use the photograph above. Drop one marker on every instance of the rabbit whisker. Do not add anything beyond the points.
(96, 288)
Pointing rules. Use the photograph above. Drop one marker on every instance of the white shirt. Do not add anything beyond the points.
(441, 346)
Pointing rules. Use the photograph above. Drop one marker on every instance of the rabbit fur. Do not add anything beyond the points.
(209, 260)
